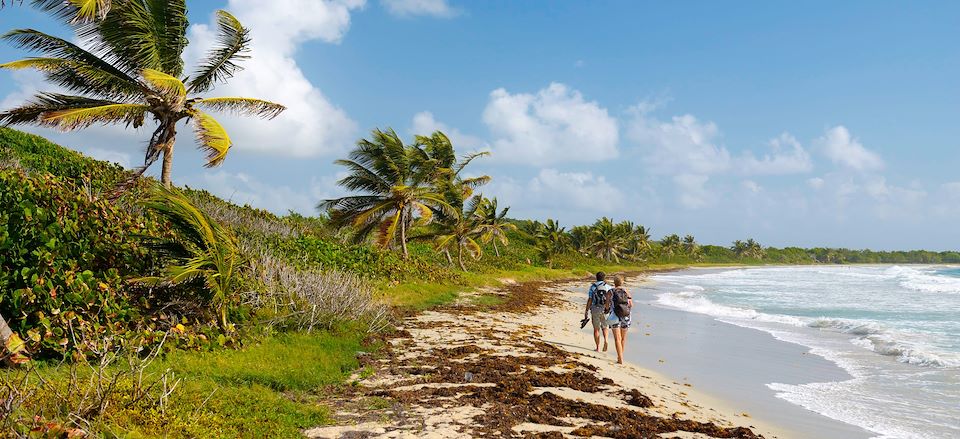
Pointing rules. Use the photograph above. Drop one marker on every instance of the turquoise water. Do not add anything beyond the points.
(895, 329)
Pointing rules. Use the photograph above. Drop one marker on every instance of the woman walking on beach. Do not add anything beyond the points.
(619, 319)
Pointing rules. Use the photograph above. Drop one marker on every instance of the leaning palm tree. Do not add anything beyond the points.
(690, 246)
(201, 249)
(460, 232)
(437, 161)
(132, 71)
(394, 192)
(493, 225)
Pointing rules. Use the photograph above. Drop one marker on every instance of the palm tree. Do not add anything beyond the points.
(135, 70)
(754, 248)
(638, 240)
(690, 246)
(394, 191)
(202, 249)
(437, 160)
(551, 240)
(670, 244)
(461, 232)
(608, 240)
(493, 225)
(580, 238)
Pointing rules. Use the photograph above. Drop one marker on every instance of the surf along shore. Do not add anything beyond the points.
(511, 362)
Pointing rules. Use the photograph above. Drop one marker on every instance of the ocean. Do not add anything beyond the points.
(894, 329)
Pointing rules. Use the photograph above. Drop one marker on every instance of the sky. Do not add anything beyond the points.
(815, 123)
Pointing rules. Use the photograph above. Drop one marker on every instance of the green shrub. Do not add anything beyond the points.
(63, 258)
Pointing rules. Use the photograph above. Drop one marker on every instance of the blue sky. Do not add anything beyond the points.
(821, 123)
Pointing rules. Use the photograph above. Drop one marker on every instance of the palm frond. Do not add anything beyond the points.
(212, 138)
(72, 119)
(243, 106)
(166, 84)
(75, 11)
(103, 77)
(142, 34)
(30, 112)
(233, 41)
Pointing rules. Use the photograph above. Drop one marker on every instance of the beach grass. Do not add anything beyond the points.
(273, 388)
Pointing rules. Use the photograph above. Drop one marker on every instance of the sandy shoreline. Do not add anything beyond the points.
(521, 369)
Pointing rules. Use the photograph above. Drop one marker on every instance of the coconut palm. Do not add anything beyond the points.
(132, 71)
(754, 248)
(670, 244)
(638, 241)
(551, 240)
(581, 238)
(460, 232)
(608, 240)
(438, 161)
(394, 192)
(492, 224)
(690, 246)
(201, 249)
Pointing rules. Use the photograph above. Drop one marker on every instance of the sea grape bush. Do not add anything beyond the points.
(63, 260)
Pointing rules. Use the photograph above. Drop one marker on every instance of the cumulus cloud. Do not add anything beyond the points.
(554, 125)
(425, 124)
(787, 156)
(847, 151)
(312, 125)
(407, 8)
(552, 191)
(682, 144)
(691, 190)
(815, 182)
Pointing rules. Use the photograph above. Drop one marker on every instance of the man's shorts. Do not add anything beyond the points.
(598, 318)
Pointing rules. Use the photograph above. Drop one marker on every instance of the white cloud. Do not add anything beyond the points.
(425, 124)
(554, 125)
(311, 125)
(554, 191)
(681, 145)
(691, 191)
(787, 156)
(815, 182)
(845, 150)
(751, 186)
(242, 188)
(407, 8)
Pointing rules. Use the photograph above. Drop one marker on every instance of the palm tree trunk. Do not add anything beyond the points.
(495, 249)
(403, 234)
(167, 140)
(460, 258)
(167, 165)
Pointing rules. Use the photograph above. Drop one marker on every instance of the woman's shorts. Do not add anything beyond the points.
(620, 322)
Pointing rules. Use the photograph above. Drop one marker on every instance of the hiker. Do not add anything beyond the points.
(621, 303)
(597, 309)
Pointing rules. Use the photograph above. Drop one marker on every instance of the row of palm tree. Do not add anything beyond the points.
(416, 191)
(610, 241)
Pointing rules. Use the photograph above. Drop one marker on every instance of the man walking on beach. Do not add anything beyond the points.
(597, 309)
